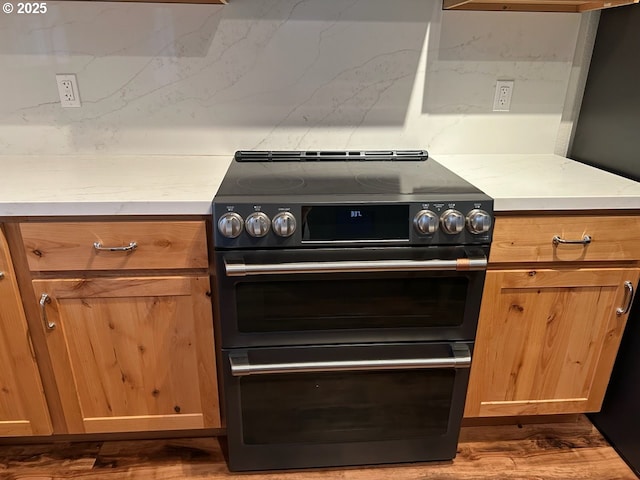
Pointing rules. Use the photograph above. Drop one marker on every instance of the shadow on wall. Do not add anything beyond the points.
(99, 30)
(469, 51)
(281, 74)
(256, 63)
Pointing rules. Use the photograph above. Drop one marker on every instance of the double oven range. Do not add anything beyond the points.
(348, 287)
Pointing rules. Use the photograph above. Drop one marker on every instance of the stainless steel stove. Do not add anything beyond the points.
(306, 199)
(348, 287)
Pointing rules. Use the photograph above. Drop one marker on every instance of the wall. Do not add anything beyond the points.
(282, 74)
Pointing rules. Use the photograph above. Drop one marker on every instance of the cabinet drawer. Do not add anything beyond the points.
(530, 238)
(150, 245)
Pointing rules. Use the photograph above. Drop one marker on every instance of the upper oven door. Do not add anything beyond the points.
(326, 296)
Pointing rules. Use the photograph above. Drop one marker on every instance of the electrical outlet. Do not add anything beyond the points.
(502, 98)
(68, 90)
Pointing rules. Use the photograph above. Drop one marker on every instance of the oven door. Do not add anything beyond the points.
(296, 407)
(356, 295)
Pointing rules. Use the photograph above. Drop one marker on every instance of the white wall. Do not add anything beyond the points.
(282, 74)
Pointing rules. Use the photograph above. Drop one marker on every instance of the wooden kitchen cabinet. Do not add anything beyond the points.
(23, 407)
(66, 246)
(130, 337)
(138, 352)
(574, 6)
(224, 2)
(548, 340)
(552, 315)
(529, 239)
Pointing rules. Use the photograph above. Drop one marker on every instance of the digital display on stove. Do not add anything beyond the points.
(335, 223)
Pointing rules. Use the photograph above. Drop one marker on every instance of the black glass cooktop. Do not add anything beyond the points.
(254, 174)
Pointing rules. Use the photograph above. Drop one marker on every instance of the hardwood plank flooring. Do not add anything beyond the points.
(559, 451)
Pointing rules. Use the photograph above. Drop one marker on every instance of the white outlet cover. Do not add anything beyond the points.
(502, 97)
(69, 97)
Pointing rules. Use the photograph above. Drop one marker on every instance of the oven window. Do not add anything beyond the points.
(345, 406)
(278, 306)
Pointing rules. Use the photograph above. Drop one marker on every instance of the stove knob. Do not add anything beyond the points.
(284, 224)
(230, 225)
(478, 221)
(257, 224)
(426, 222)
(452, 221)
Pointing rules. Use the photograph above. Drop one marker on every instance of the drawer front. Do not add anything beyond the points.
(85, 245)
(530, 238)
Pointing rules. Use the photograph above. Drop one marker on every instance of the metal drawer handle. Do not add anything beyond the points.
(44, 300)
(628, 299)
(463, 264)
(129, 248)
(1, 275)
(240, 366)
(557, 240)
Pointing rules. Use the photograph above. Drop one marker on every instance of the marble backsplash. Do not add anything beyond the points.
(283, 74)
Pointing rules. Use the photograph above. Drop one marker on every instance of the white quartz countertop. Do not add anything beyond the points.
(544, 182)
(109, 185)
(185, 185)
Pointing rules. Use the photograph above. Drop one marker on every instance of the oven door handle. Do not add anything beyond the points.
(241, 366)
(240, 269)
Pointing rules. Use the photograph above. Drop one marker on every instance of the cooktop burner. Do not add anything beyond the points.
(259, 184)
(370, 173)
(306, 199)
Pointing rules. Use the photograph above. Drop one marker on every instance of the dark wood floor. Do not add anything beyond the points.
(570, 450)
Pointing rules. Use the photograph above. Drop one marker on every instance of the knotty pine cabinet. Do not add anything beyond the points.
(23, 407)
(126, 311)
(574, 6)
(224, 2)
(552, 314)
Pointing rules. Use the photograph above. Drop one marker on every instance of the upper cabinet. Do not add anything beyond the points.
(534, 5)
(176, 1)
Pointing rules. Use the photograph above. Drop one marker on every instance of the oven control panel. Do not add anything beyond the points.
(241, 225)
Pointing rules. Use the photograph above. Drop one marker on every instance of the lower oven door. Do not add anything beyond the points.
(356, 295)
(296, 407)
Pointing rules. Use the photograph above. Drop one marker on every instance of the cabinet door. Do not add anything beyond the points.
(23, 408)
(547, 340)
(132, 353)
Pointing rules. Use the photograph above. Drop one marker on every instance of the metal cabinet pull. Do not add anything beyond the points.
(129, 248)
(240, 365)
(463, 264)
(628, 299)
(1, 275)
(557, 240)
(44, 300)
